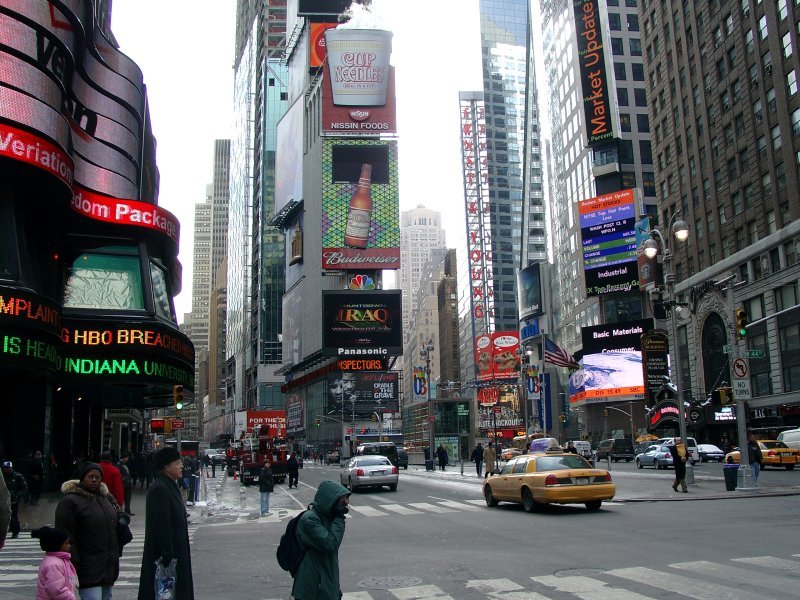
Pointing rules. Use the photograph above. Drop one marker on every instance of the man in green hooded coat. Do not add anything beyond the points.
(320, 531)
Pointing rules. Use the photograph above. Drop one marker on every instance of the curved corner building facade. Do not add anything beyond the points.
(88, 260)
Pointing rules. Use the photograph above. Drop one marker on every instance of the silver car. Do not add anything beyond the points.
(366, 471)
(657, 456)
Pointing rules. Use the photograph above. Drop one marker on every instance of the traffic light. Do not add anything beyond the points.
(316, 422)
(605, 412)
(177, 397)
(741, 323)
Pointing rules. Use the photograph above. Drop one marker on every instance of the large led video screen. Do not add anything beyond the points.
(361, 394)
(612, 363)
(362, 324)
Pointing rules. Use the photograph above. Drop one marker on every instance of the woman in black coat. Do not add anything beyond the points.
(87, 513)
(166, 532)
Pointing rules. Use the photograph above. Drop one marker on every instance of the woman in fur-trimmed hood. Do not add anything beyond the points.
(88, 514)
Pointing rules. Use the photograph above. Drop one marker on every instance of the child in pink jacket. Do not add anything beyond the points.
(57, 576)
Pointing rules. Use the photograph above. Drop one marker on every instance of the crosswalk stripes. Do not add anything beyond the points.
(414, 508)
(20, 559)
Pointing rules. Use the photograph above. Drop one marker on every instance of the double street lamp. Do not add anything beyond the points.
(425, 354)
(652, 247)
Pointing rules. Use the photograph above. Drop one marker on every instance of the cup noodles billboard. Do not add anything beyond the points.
(496, 355)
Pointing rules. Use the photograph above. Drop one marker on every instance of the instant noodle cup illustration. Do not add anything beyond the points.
(359, 65)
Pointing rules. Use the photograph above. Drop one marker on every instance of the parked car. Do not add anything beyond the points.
(535, 480)
(402, 457)
(216, 458)
(710, 452)
(617, 449)
(773, 454)
(655, 455)
(369, 471)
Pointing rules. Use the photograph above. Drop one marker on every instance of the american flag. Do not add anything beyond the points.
(556, 355)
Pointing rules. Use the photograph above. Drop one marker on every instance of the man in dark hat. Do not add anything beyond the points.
(166, 530)
(17, 488)
(88, 513)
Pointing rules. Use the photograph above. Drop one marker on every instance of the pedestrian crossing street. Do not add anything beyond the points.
(20, 559)
(747, 578)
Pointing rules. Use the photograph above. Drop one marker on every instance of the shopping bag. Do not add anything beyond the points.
(165, 580)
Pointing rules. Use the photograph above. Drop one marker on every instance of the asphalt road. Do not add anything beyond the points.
(466, 550)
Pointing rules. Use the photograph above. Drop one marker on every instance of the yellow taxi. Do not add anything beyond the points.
(773, 454)
(554, 477)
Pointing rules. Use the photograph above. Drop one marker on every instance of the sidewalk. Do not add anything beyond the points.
(637, 486)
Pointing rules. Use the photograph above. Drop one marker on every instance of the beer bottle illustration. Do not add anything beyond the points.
(359, 217)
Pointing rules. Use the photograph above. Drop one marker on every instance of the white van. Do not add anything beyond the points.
(790, 437)
(690, 441)
(583, 447)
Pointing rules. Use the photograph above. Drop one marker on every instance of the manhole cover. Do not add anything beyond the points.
(385, 583)
(578, 572)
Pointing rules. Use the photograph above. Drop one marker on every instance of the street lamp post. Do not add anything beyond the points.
(629, 415)
(425, 353)
(680, 230)
(524, 355)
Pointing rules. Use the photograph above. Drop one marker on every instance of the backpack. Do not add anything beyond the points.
(290, 551)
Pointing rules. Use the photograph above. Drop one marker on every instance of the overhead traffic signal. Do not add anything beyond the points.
(741, 323)
(177, 397)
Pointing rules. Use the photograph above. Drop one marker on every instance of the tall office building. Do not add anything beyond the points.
(255, 248)
(510, 182)
(725, 114)
(420, 233)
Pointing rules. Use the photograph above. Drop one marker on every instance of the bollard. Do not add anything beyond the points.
(218, 491)
(690, 473)
(243, 498)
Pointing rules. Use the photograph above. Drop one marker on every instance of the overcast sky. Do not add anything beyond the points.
(185, 49)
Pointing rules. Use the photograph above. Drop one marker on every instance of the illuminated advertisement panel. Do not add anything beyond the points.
(360, 204)
(358, 120)
(612, 363)
(608, 235)
(362, 325)
(597, 95)
(474, 161)
(292, 326)
(289, 160)
(316, 44)
(529, 292)
(655, 366)
(274, 419)
(361, 394)
(496, 355)
(295, 424)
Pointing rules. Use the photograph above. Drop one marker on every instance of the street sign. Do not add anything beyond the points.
(741, 389)
(178, 423)
(754, 354)
(741, 369)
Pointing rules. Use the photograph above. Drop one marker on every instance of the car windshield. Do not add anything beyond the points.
(561, 462)
(371, 461)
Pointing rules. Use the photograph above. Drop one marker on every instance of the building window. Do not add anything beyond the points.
(633, 22)
(645, 152)
(775, 132)
(617, 47)
(637, 70)
(761, 142)
(791, 82)
(619, 71)
(736, 200)
(791, 377)
(622, 97)
(614, 23)
(790, 341)
(635, 45)
(625, 121)
(786, 42)
(642, 123)
(796, 122)
(762, 27)
(758, 111)
(748, 40)
(782, 10)
(732, 171)
(640, 96)
(780, 177)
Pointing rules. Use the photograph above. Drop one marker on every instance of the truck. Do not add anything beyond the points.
(250, 452)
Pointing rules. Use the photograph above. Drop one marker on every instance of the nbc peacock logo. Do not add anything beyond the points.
(361, 282)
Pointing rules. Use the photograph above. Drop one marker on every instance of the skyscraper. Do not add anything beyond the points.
(420, 232)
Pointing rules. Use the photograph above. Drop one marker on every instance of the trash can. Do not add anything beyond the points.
(429, 465)
(730, 471)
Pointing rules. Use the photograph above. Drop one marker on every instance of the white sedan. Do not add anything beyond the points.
(369, 471)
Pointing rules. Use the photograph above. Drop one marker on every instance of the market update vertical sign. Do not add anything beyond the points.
(591, 56)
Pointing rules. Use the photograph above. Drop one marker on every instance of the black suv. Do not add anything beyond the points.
(402, 457)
